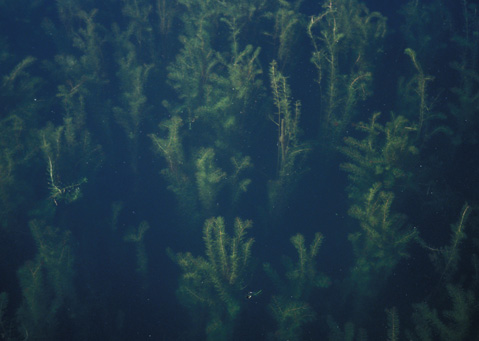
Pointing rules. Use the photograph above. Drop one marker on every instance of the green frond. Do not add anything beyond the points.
(222, 243)
(298, 243)
(209, 177)
(450, 324)
(393, 324)
(290, 316)
(17, 72)
(137, 235)
(315, 245)
(216, 282)
(451, 252)
(247, 252)
(209, 241)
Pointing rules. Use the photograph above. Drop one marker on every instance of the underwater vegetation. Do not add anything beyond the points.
(140, 140)
(212, 286)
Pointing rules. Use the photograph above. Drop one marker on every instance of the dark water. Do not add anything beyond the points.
(127, 128)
